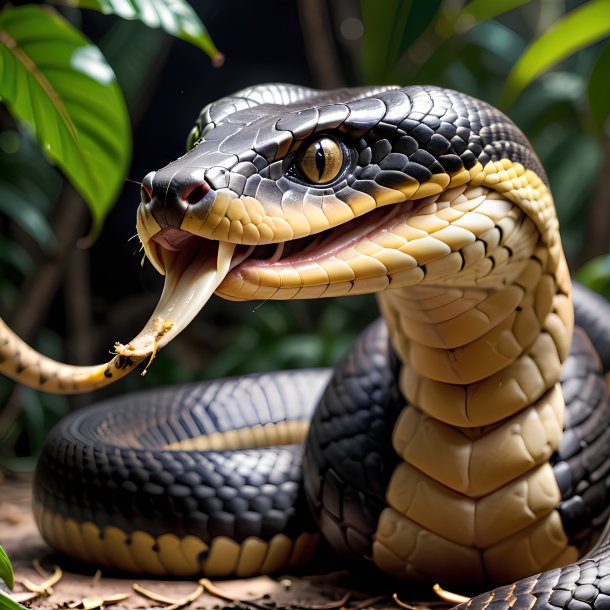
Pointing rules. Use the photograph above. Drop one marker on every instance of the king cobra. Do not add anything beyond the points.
(464, 438)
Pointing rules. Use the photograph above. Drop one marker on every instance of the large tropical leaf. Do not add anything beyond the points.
(576, 30)
(419, 18)
(133, 51)
(382, 23)
(56, 82)
(390, 28)
(176, 17)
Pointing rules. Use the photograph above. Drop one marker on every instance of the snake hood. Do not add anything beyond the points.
(288, 192)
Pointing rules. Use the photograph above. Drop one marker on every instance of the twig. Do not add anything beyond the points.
(156, 597)
(212, 589)
(89, 603)
(46, 587)
(25, 596)
(448, 596)
(41, 571)
(174, 604)
(403, 604)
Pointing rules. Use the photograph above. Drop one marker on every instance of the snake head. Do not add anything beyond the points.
(293, 193)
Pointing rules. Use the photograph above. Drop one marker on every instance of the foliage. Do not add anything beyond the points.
(596, 274)
(6, 569)
(176, 17)
(6, 603)
(546, 69)
(66, 110)
(60, 85)
(66, 93)
(6, 574)
(576, 30)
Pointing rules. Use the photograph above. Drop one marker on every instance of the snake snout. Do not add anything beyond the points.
(168, 195)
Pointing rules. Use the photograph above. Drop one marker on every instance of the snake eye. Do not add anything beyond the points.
(192, 138)
(321, 162)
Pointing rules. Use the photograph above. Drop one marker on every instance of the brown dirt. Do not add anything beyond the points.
(20, 538)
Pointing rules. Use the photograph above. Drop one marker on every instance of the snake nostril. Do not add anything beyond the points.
(146, 188)
(145, 196)
(197, 194)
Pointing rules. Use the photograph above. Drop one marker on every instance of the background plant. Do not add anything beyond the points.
(6, 575)
(63, 108)
(544, 62)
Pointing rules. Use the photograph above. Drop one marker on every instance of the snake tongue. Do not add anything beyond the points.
(191, 277)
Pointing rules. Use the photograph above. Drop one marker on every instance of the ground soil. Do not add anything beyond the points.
(305, 591)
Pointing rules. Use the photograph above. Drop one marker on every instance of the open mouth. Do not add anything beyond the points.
(195, 267)
(172, 246)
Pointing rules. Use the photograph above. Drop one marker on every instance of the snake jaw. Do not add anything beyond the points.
(193, 269)
(174, 251)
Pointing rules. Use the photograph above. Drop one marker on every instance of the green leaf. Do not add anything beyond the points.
(599, 88)
(176, 17)
(56, 82)
(6, 570)
(579, 28)
(390, 28)
(596, 274)
(133, 51)
(383, 23)
(6, 603)
(482, 10)
(419, 18)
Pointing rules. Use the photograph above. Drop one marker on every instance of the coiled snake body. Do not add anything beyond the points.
(435, 450)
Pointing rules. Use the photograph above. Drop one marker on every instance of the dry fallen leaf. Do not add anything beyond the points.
(46, 587)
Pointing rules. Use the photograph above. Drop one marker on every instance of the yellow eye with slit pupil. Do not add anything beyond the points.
(321, 162)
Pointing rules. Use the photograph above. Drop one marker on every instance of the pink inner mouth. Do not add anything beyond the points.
(326, 243)
(293, 252)
(172, 238)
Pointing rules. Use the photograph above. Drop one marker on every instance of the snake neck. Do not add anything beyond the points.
(481, 355)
